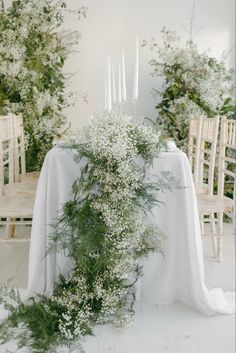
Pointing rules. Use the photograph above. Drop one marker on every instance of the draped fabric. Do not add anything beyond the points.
(176, 276)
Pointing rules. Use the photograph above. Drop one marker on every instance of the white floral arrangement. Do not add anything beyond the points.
(105, 230)
(192, 83)
(33, 50)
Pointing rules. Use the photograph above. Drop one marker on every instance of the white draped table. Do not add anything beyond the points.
(178, 276)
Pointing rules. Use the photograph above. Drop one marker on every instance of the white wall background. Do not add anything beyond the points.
(112, 25)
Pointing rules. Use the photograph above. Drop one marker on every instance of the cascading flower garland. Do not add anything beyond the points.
(104, 229)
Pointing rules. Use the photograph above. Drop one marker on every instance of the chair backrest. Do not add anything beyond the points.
(6, 151)
(194, 142)
(204, 181)
(19, 147)
(227, 155)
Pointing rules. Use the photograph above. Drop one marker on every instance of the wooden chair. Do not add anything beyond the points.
(214, 206)
(203, 133)
(194, 143)
(6, 152)
(202, 144)
(16, 199)
(227, 165)
(20, 174)
(204, 179)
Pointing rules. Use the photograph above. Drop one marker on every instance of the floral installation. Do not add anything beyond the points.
(105, 230)
(193, 83)
(33, 50)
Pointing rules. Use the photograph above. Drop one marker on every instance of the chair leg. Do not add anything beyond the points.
(202, 224)
(220, 237)
(7, 227)
(234, 219)
(11, 229)
(213, 231)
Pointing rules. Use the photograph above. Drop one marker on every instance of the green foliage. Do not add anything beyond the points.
(104, 229)
(33, 52)
(193, 83)
(34, 325)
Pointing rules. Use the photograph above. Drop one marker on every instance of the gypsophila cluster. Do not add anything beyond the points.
(111, 194)
(193, 83)
(105, 230)
(33, 50)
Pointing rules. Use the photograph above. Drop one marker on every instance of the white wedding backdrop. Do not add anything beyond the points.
(113, 25)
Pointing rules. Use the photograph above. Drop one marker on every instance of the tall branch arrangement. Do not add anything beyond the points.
(33, 50)
(191, 83)
(104, 229)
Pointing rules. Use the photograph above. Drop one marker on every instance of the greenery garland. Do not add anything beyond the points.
(33, 50)
(104, 229)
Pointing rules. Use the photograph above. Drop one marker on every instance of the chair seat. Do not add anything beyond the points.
(202, 189)
(214, 203)
(17, 201)
(30, 178)
(19, 188)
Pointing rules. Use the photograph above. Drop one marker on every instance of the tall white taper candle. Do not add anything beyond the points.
(136, 67)
(123, 78)
(109, 104)
(113, 85)
(105, 87)
(119, 85)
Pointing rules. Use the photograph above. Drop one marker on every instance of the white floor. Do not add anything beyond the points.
(173, 328)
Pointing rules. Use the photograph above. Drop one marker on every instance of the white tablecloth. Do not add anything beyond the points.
(178, 276)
